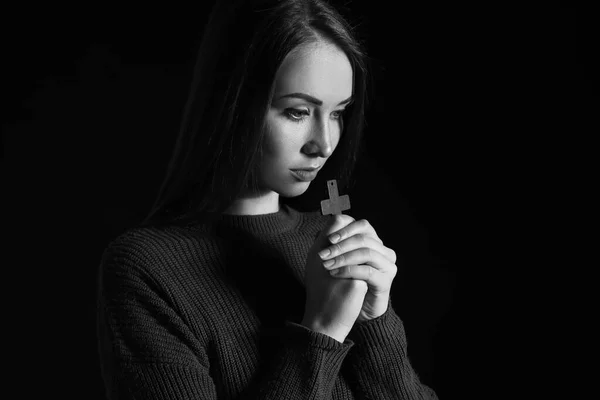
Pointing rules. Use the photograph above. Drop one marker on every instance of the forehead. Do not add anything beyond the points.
(321, 70)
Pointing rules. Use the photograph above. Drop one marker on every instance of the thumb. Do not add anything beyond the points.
(334, 223)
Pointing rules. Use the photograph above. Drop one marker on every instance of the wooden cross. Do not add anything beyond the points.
(335, 204)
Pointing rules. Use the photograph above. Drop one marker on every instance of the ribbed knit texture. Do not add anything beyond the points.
(213, 312)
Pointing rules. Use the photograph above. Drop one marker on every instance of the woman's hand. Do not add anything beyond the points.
(332, 305)
(360, 254)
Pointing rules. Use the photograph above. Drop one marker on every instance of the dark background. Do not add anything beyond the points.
(468, 104)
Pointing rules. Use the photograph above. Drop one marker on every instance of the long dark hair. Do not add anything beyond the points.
(219, 145)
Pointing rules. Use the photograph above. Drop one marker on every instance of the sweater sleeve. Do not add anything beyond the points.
(306, 366)
(148, 352)
(379, 364)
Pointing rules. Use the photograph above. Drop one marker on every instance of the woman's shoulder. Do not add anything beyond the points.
(153, 247)
(159, 235)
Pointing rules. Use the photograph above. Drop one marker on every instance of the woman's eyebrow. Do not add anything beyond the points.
(312, 99)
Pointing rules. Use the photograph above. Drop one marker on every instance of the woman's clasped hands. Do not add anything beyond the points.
(359, 290)
(356, 252)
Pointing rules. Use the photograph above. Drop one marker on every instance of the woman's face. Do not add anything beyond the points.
(300, 134)
(312, 88)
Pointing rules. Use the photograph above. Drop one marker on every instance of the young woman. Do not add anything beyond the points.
(220, 292)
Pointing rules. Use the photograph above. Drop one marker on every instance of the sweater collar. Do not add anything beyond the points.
(284, 220)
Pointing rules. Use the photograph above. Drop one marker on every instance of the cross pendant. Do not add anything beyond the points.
(335, 204)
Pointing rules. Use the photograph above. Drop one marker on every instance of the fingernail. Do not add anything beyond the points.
(328, 263)
(334, 238)
(324, 253)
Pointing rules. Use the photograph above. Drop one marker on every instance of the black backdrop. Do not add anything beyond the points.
(463, 96)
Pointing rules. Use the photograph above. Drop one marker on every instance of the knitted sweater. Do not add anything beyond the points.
(213, 312)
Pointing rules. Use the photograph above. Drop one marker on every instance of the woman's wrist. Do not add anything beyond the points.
(316, 327)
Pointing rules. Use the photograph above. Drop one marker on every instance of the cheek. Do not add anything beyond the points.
(282, 137)
(280, 148)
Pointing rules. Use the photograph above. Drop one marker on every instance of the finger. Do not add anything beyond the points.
(335, 223)
(364, 255)
(360, 226)
(356, 242)
(376, 281)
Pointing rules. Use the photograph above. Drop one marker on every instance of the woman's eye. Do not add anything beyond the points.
(339, 114)
(299, 115)
(295, 115)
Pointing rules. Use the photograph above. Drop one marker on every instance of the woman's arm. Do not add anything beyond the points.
(379, 365)
(148, 351)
